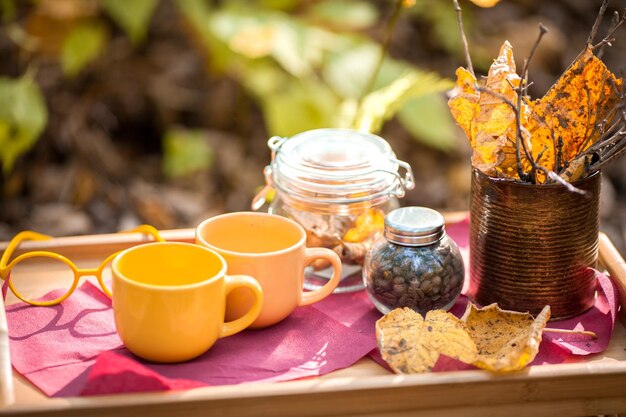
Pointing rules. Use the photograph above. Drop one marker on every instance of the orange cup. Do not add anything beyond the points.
(168, 300)
(271, 249)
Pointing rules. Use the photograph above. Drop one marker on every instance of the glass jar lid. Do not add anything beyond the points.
(414, 226)
(339, 166)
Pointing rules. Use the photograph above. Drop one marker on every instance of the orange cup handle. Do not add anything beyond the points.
(317, 295)
(239, 281)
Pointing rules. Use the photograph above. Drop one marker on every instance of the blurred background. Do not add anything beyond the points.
(117, 112)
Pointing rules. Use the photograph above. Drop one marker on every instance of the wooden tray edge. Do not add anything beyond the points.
(608, 255)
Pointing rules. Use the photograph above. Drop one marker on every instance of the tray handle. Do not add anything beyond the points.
(616, 267)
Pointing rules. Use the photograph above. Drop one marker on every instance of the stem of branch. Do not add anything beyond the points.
(542, 31)
(459, 17)
(522, 90)
(617, 22)
(518, 131)
(580, 332)
(384, 48)
(596, 24)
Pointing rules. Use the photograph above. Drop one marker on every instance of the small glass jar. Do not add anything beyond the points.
(338, 184)
(415, 264)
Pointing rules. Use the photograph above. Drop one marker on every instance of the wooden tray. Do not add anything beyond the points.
(593, 387)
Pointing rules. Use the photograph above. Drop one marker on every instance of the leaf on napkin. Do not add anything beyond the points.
(488, 121)
(506, 340)
(571, 110)
(490, 338)
(411, 344)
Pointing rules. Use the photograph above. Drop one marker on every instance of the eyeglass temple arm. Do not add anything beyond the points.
(14, 243)
(147, 230)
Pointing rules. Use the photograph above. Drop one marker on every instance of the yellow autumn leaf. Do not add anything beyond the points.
(411, 344)
(367, 223)
(569, 114)
(506, 340)
(555, 129)
(464, 102)
(490, 338)
(488, 121)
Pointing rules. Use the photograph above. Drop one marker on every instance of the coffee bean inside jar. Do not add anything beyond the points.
(416, 264)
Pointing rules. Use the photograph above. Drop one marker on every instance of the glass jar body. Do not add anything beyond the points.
(348, 229)
(422, 278)
(338, 184)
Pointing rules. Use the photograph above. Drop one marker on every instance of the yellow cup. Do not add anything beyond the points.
(169, 300)
(271, 249)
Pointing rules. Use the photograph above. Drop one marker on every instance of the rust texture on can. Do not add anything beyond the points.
(533, 245)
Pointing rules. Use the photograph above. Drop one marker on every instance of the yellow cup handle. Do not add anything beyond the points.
(239, 281)
(312, 254)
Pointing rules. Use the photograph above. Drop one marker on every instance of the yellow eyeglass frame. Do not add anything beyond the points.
(5, 270)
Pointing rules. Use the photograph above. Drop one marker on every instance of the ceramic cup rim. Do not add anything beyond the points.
(119, 275)
(200, 239)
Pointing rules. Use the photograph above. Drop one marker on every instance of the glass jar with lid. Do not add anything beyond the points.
(415, 264)
(338, 184)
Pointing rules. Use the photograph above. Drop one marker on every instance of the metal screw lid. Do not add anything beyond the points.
(414, 226)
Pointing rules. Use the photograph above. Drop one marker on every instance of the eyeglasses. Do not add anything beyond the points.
(72, 272)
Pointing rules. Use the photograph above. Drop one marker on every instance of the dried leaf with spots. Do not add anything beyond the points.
(505, 340)
(411, 344)
(569, 115)
(490, 338)
(487, 120)
(556, 130)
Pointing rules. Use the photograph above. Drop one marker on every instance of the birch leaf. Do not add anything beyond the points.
(487, 119)
(570, 114)
(505, 340)
(411, 344)
(494, 127)
(489, 338)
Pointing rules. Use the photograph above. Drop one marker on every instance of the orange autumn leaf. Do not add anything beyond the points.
(464, 102)
(555, 129)
(366, 224)
(570, 112)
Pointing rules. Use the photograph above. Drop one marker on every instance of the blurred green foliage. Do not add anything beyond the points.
(132, 16)
(311, 70)
(83, 44)
(185, 151)
(23, 116)
(307, 65)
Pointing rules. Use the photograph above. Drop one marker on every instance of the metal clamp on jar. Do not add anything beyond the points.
(338, 184)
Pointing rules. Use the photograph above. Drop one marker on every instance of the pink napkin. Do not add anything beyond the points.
(114, 373)
(56, 348)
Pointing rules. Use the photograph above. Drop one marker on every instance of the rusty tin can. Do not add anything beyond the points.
(534, 245)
